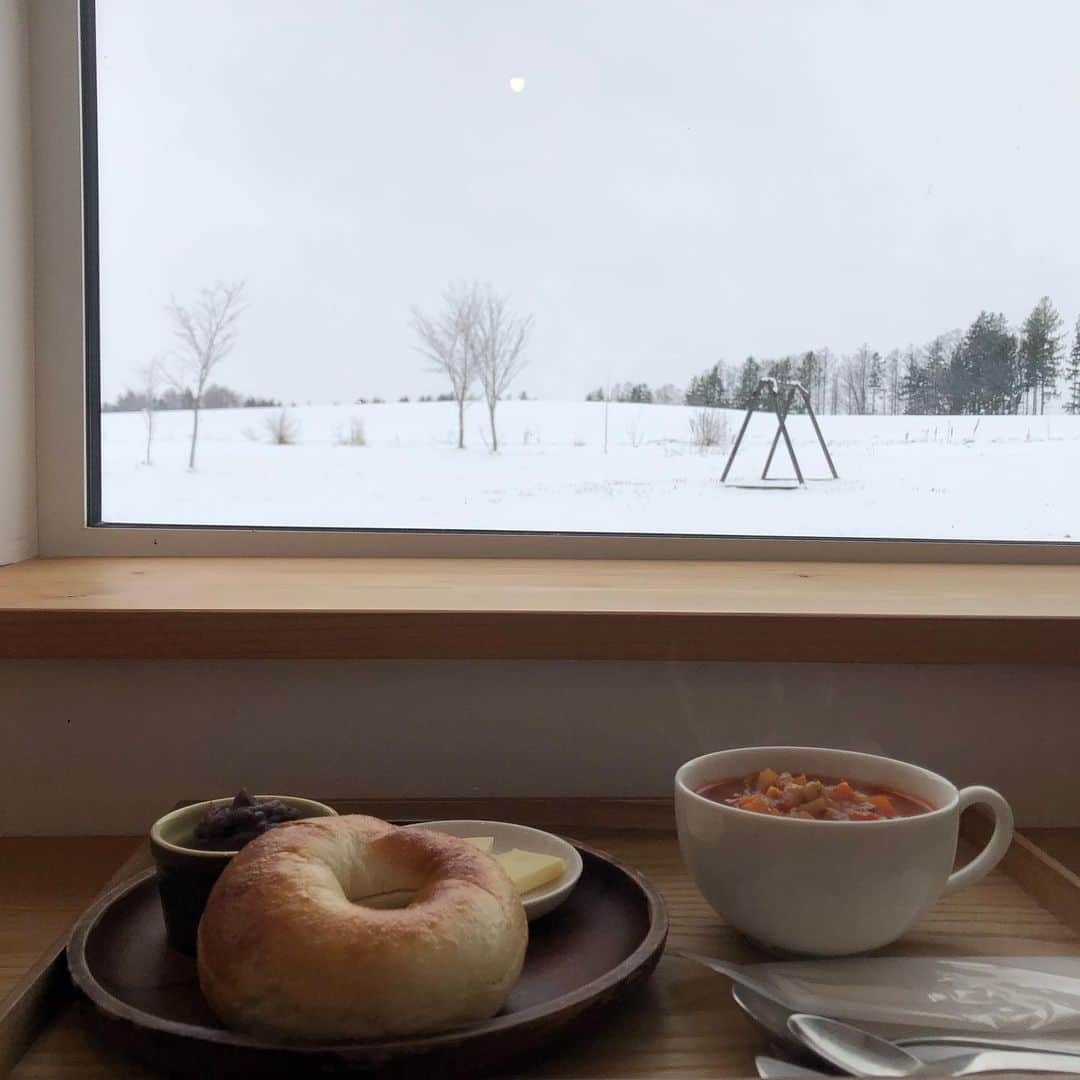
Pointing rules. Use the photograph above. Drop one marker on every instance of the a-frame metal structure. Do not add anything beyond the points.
(783, 396)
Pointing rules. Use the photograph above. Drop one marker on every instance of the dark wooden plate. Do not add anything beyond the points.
(607, 936)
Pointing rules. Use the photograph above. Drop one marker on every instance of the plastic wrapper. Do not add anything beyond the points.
(1020, 996)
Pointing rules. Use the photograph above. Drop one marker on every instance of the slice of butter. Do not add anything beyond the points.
(484, 843)
(528, 870)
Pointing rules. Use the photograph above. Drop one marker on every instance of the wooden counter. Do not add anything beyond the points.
(246, 608)
(682, 1023)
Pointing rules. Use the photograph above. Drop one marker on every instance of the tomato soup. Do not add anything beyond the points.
(818, 798)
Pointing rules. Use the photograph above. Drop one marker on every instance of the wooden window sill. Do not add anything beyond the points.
(241, 608)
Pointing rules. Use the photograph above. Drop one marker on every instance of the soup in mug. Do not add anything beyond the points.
(819, 798)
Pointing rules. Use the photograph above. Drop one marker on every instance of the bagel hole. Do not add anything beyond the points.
(386, 901)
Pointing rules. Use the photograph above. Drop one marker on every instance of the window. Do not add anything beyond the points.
(525, 267)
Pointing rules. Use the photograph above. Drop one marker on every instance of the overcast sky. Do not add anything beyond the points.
(678, 181)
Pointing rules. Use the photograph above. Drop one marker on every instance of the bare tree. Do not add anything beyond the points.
(206, 331)
(151, 388)
(502, 338)
(449, 341)
(892, 362)
(856, 381)
(825, 372)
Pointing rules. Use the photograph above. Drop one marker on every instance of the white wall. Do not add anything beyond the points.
(18, 529)
(105, 746)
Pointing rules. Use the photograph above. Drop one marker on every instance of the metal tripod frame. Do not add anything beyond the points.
(783, 395)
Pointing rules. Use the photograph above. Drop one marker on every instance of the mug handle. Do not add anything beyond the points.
(1000, 840)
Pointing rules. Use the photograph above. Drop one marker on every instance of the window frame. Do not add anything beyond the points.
(68, 402)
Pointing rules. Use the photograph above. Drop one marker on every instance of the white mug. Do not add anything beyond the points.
(828, 888)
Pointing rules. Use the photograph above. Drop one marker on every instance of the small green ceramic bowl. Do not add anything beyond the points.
(186, 874)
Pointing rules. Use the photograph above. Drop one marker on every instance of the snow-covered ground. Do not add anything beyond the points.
(900, 476)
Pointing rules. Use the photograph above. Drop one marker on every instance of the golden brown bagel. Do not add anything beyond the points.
(284, 951)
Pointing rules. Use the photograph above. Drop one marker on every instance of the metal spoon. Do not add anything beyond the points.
(862, 1054)
(770, 1067)
(769, 1015)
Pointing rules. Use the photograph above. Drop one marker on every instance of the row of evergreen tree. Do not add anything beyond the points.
(989, 368)
(993, 369)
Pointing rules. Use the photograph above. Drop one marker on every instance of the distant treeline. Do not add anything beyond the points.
(214, 397)
(991, 368)
(221, 397)
(639, 394)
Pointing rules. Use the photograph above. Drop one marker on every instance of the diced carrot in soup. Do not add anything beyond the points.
(754, 802)
(844, 791)
(883, 804)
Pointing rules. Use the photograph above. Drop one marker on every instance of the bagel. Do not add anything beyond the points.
(288, 949)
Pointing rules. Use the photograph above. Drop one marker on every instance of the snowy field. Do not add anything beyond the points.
(950, 477)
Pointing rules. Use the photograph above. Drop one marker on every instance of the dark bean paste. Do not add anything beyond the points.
(229, 828)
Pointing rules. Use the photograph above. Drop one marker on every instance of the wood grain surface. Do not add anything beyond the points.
(539, 609)
(1060, 844)
(682, 1023)
(45, 883)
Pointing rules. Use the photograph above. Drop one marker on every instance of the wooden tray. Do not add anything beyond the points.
(606, 936)
(679, 1023)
